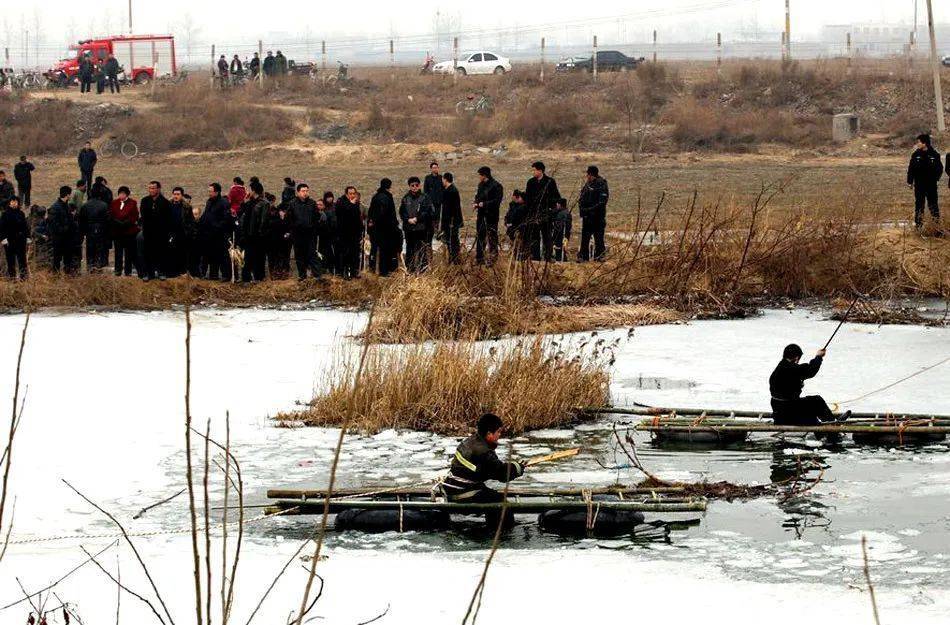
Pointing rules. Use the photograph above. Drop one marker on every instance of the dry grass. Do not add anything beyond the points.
(33, 127)
(443, 388)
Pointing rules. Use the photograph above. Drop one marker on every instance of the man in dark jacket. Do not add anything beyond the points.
(222, 71)
(451, 217)
(304, 222)
(433, 186)
(476, 462)
(382, 224)
(541, 194)
(39, 228)
(270, 64)
(87, 163)
(181, 234)
(7, 192)
(516, 226)
(280, 63)
(278, 238)
(111, 70)
(785, 385)
(561, 225)
(236, 66)
(254, 65)
(215, 227)
(23, 174)
(349, 234)
(100, 189)
(62, 231)
(487, 204)
(252, 233)
(288, 192)
(923, 172)
(592, 206)
(14, 237)
(327, 234)
(415, 211)
(154, 209)
(94, 224)
(86, 73)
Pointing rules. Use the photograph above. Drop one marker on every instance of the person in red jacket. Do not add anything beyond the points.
(124, 212)
(236, 195)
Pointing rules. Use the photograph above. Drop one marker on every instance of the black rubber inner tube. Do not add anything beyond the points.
(604, 522)
(389, 520)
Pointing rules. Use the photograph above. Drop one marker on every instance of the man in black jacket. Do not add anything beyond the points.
(349, 234)
(94, 223)
(433, 186)
(62, 230)
(592, 206)
(288, 192)
(7, 192)
(23, 174)
(785, 386)
(270, 64)
(181, 235)
(382, 225)
(327, 233)
(923, 172)
(111, 70)
(304, 222)
(476, 462)
(516, 220)
(100, 189)
(278, 238)
(254, 65)
(487, 204)
(153, 211)
(415, 211)
(215, 227)
(252, 232)
(541, 194)
(86, 73)
(451, 217)
(14, 236)
(87, 163)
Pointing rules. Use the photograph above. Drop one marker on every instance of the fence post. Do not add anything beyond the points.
(542, 59)
(323, 55)
(849, 50)
(214, 67)
(654, 46)
(455, 59)
(783, 45)
(260, 55)
(595, 57)
(719, 53)
(910, 50)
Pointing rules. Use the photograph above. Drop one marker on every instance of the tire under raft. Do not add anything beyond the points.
(378, 521)
(898, 439)
(596, 522)
(700, 436)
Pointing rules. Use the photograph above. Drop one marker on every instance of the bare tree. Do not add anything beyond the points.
(190, 31)
(38, 35)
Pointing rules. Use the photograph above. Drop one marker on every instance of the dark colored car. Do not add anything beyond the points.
(607, 61)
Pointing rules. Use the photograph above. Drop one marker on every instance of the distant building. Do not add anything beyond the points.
(881, 38)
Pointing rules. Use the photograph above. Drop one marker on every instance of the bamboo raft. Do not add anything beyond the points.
(714, 413)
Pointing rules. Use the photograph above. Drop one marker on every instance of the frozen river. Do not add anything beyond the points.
(104, 410)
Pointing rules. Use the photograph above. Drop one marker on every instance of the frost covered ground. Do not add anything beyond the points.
(104, 410)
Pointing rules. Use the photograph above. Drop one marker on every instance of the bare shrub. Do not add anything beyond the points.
(33, 127)
(543, 123)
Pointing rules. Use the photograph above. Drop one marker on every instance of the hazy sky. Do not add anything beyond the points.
(232, 21)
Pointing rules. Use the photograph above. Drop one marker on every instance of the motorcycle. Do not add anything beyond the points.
(427, 66)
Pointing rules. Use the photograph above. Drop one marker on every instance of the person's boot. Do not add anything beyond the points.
(844, 416)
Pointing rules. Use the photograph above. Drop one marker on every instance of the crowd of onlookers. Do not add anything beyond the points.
(247, 233)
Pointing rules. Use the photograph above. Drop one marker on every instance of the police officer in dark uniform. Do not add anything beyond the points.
(923, 172)
(474, 463)
(785, 385)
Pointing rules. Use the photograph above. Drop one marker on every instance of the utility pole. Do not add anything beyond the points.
(542, 59)
(392, 60)
(788, 30)
(455, 59)
(935, 66)
(594, 60)
(130, 17)
(323, 56)
(719, 53)
(654, 46)
(260, 55)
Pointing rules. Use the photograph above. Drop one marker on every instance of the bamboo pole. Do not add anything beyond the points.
(754, 414)
(316, 506)
(842, 428)
(304, 494)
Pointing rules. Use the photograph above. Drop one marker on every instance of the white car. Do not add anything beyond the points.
(475, 63)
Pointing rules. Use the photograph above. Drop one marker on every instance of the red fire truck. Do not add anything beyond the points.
(142, 57)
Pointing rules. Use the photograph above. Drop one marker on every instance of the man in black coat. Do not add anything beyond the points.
(415, 211)
(349, 234)
(382, 224)
(451, 217)
(62, 231)
(252, 233)
(327, 233)
(270, 64)
(14, 236)
(94, 223)
(304, 222)
(111, 71)
(433, 186)
(923, 172)
(541, 195)
(592, 206)
(181, 234)
(215, 227)
(154, 213)
(516, 226)
(487, 204)
(254, 65)
(87, 163)
(23, 174)
(278, 238)
(475, 462)
(86, 73)
(7, 192)
(785, 386)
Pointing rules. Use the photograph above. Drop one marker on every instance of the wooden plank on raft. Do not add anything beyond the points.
(316, 506)
(842, 428)
(414, 491)
(751, 414)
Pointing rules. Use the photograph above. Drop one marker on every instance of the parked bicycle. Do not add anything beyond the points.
(472, 106)
(118, 145)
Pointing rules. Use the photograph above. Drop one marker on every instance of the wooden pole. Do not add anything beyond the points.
(849, 50)
(719, 53)
(513, 491)
(316, 506)
(654, 46)
(841, 428)
(666, 413)
(595, 57)
(455, 59)
(542, 59)
(130, 19)
(935, 66)
(557, 455)
(783, 46)
(841, 323)
(788, 30)
(260, 55)
(323, 55)
(214, 69)
(392, 60)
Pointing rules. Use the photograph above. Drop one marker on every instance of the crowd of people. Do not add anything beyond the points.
(273, 65)
(247, 233)
(103, 72)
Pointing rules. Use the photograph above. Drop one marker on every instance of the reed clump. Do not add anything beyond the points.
(444, 387)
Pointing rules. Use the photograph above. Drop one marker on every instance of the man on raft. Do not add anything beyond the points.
(476, 462)
(785, 385)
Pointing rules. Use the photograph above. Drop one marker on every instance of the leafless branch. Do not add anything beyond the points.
(867, 577)
(57, 582)
(123, 587)
(189, 470)
(13, 424)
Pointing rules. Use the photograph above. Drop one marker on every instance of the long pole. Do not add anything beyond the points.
(542, 59)
(935, 66)
(843, 319)
(654, 46)
(455, 59)
(595, 57)
(788, 30)
(323, 55)
(130, 17)
(718, 52)
(260, 55)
